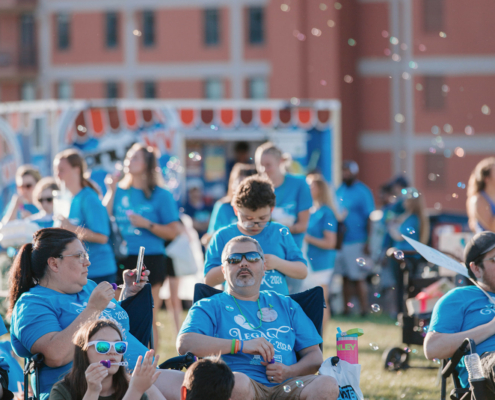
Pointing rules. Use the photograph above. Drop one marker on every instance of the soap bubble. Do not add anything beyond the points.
(195, 156)
(361, 262)
(485, 109)
(284, 231)
(415, 351)
(11, 252)
(137, 232)
(286, 388)
(350, 305)
(399, 255)
(377, 295)
(375, 307)
(374, 346)
(299, 383)
(411, 231)
(407, 349)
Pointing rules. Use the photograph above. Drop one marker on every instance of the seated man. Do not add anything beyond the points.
(466, 312)
(208, 379)
(257, 333)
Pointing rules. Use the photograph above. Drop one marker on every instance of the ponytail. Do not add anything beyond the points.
(31, 263)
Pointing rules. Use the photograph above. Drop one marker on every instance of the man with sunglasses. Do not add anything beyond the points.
(253, 203)
(258, 333)
(467, 312)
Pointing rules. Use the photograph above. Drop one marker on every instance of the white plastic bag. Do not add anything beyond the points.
(347, 376)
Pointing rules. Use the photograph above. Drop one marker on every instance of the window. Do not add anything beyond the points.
(38, 135)
(63, 31)
(28, 91)
(27, 51)
(148, 28)
(256, 18)
(436, 171)
(64, 91)
(214, 89)
(212, 27)
(112, 90)
(433, 15)
(434, 93)
(112, 26)
(149, 90)
(258, 88)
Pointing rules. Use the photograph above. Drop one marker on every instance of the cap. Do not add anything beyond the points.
(479, 244)
(351, 166)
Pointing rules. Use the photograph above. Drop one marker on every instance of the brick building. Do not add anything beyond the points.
(416, 78)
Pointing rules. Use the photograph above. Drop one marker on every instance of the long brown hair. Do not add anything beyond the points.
(418, 207)
(482, 171)
(326, 194)
(153, 175)
(75, 159)
(31, 263)
(75, 380)
(239, 170)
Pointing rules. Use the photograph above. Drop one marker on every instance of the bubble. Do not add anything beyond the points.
(323, 6)
(137, 232)
(415, 351)
(284, 7)
(301, 37)
(287, 389)
(406, 75)
(436, 360)
(403, 46)
(459, 152)
(445, 88)
(361, 262)
(82, 128)
(387, 52)
(299, 383)
(374, 346)
(11, 252)
(486, 110)
(432, 150)
(315, 32)
(284, 231)
(213, 127)
(323, 82)
(394, 40)
(407, 349)
(396, 57)
(375, 307)
(337, 6)
(351, 42)
(136, 32)
(377, 295)
(432, 177)
(295, 101)
(385, 34)
(442, 34)
(350, 305)
(435, 130)
(195, 156)
(397, 323)
(422, 47)
(437, 206)
(399, 118)
(447, 153)
(413, 64)
(448, 128)
(419, 87)
(331, 23)
(348, 79)
(390, 364)
(121, 266)
(411, 231)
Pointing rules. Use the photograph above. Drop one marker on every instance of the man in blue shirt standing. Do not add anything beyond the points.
(356, 202)
(257, 332)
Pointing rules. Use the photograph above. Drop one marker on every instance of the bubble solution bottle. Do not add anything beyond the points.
(347, 345)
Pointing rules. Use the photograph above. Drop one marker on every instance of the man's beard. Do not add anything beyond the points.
(245, 280)
(349, 181)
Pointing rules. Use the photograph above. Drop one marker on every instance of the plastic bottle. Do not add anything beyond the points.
(473, 365)
(347, 345)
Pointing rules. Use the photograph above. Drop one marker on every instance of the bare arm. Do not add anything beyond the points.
(480, 211)
(292, 269)
(84, 233)
(309, 363)
(108, 201)
(168, 231)
(11, 213)
(328, 242)
(214, 276)
(302, 222)
(444, 345)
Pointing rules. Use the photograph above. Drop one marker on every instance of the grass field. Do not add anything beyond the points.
(376, 383)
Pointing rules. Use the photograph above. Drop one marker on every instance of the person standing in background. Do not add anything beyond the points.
(356, 202)
(146, 214)
(480, 202)
(293, 197)
(43, 199)
(21, 205)
(87, 215)
(196, 207)
(321, 237)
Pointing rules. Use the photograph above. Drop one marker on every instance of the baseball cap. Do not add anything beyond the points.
(480, 244)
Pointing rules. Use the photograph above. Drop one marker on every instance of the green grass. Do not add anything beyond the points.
(376, 383)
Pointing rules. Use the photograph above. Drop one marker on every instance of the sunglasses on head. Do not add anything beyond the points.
(47, 199)
(250, 256)
(103, 347)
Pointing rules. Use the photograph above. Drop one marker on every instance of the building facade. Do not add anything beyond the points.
(416, 78)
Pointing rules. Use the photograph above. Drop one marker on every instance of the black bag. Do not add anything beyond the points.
(341, 229)
(117, 241)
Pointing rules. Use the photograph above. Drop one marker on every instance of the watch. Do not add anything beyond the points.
(151, 226)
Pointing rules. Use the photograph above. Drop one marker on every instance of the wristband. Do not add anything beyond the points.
(242, 345)
(237, 345)
(232, 349)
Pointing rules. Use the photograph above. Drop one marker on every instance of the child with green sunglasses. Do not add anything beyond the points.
(99, 368)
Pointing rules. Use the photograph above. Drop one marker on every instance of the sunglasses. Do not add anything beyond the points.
(103, 347)
(27, 186)
(250, 256)
(47, 199)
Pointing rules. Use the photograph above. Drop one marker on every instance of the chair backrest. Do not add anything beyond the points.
(312, 301)
(140, 311)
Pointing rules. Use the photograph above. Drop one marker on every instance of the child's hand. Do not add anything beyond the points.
(144, 374)
(95, 374)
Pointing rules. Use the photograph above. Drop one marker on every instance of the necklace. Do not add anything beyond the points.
(249, 323)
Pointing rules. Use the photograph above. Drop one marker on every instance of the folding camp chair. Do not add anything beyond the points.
(140, 311)
(312, 302)
(477, 389)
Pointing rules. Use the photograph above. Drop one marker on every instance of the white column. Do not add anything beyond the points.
(130, 42)
(236, 48)
(44, 49)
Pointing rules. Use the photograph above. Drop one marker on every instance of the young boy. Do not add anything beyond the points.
(208, 379)
(253, 202)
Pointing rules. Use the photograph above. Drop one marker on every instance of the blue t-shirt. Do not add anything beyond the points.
(199, 214)
(274, 239)
(320, 221)
(460, 310)
(358, 200)
(219, 316)
(160, 208)
(42, 310)
(409, 228)
(8, 362)
(292, 197)
(87, 211)
(42, 219)
(221, 216)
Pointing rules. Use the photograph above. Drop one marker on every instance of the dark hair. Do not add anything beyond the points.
(30, 264)
(153, 174)
(209, 379)
(254, 192)
(75, 159)
(478, 261)
(28, 169)
(239, 172)
(241, 147)
(482, 171)
(75, 380)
